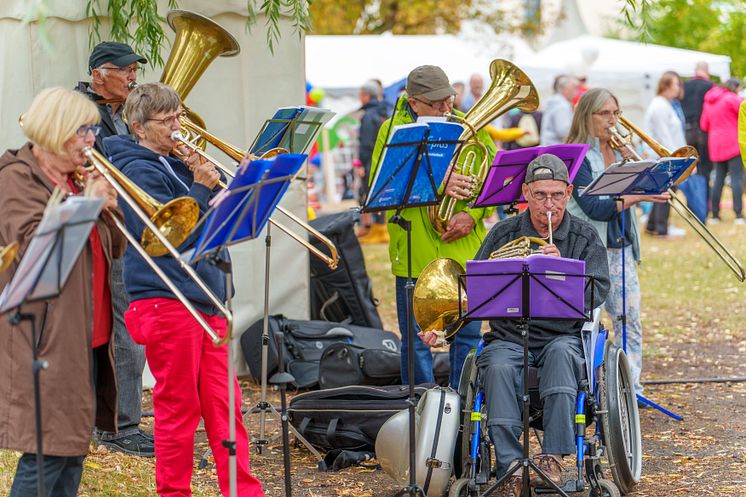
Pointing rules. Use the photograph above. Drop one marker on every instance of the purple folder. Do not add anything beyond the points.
(505, 177)
(494, 288)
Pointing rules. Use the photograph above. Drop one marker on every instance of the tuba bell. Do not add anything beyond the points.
(8, 255)
(510, 88)
(199, 40)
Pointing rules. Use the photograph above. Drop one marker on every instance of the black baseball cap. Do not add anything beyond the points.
(546, 166)
(119, 54)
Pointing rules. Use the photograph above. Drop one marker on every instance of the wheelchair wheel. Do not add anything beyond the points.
(620, 420)
(460, 488)
(608, 489)
(466, 392)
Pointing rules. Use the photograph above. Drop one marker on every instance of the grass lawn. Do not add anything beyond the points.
(693, 317)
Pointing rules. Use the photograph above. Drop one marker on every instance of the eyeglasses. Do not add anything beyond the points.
(607, 114)
(439, 104)
(170, 119)
(83, 130)
(543, 196)
(131, 69)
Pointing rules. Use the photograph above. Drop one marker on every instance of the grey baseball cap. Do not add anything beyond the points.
(429, 82)
(546, 166)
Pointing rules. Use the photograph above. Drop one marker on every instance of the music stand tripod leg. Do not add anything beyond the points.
(37, 366)
(264, 406)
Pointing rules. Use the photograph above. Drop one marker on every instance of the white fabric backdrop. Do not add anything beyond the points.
(234, 96)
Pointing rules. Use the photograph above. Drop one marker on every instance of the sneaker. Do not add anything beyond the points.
(511, 487)
(675, 231)
(136, 444)
(715, 220)
(739, 220)
(551, 467)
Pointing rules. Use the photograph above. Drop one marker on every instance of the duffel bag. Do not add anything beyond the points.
(305, 341)
(344, 364)
(348, 417)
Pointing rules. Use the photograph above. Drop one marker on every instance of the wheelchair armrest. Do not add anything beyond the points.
(594, 323)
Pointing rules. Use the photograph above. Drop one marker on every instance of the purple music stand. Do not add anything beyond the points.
(502, 186)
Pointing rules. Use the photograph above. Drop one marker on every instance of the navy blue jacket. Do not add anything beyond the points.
(145, 169)
(602, 209)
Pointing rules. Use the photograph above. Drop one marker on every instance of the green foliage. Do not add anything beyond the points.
(331, 17)
(710, 26)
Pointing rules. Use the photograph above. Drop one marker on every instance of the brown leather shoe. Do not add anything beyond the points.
(511, 487)
(551, 467)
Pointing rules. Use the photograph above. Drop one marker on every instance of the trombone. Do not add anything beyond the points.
(236, 154)
(8, 255)
(621, 140)
(130, 193)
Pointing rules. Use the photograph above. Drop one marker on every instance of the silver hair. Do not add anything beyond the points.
(149, 99)
(581, 129)
(371, 89)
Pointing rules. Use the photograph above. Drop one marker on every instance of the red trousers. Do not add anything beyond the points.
(191, 382)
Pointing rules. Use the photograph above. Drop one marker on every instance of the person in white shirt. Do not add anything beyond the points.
(664, 124)
(557, 116)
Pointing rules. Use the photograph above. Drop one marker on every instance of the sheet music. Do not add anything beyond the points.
(53, 251)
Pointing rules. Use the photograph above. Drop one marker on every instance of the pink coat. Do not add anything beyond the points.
(720, 120)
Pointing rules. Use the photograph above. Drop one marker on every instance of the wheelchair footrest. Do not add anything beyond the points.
(570, 486)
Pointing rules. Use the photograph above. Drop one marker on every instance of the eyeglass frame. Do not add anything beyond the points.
(542, 197)
(608, 113)
(83, 130)
(166, 120)
(448, 101)
(128, 69)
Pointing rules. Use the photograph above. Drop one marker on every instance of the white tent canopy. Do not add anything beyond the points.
(348, 61)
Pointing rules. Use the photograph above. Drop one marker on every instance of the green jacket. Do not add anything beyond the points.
(426, 243)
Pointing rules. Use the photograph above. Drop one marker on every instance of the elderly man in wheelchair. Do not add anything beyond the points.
(564, 361)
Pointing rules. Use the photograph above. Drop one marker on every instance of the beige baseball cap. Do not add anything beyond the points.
(429, 82)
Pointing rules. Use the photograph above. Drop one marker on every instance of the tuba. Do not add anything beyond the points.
(198, 41)
(510, 88)
(621, 138)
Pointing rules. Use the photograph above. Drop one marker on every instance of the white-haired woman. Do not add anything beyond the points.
(74, 330)
(597, 111)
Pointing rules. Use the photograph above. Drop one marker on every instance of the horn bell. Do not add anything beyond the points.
(436, 297)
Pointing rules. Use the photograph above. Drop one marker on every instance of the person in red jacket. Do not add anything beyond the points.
(720, 120)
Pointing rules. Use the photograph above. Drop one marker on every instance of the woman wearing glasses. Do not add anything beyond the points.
(598, 111)
(74, 330)
(190, 372)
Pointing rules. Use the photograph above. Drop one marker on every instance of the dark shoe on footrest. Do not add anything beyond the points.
(551, 467)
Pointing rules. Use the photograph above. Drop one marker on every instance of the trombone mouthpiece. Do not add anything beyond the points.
(177, 136)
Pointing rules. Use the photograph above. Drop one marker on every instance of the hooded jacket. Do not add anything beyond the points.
(150, 171)
(720, 120)
(64, 329)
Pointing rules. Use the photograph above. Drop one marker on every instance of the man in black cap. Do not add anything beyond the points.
(113, 69)
(554, 346)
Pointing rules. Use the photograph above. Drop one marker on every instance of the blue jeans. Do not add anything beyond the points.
(130, 360)
(61, 476)
(466, 339)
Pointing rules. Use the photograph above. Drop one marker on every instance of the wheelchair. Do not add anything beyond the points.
(606, 400)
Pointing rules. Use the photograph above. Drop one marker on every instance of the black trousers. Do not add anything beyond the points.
(61, 476)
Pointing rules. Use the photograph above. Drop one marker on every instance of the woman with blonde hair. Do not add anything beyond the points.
(598, 111)
(74, 330)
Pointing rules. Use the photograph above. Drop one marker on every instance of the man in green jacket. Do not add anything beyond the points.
(429, 94)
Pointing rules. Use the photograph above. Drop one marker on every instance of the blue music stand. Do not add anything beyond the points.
(638, 178)
(412, 166)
